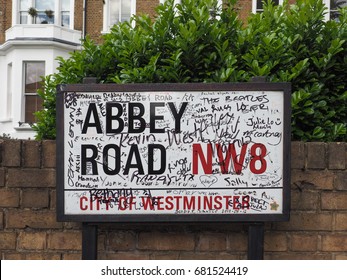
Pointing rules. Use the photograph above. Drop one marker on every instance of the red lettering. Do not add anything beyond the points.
(208, 202)
(199, 154)
(259, 158)
(218, 204)
(84, 203)
(169, 204)
(231, 152)
(227, 200)
(245, 202)
(177, 202)
(147, 203)
(159, 203)
(257, 163)
(83, 199)
(188, 204)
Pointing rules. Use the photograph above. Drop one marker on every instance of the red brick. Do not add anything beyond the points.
(334, 201)
(320, 180)
(334, 243)
(304, 242)
(212, 242)
(65, 241)
(9, 198)
(32, 178)
(316, 155)
(297, 155)
(337, 155)
(11, 153)
(35, 198)
(31, 154)
(32, 219)
(275, 242)
(166, 241)
(48, 154)
(7, 240)
(94, 24)
(307, 221)
(122, 240)
(32, 240)
(146, 7)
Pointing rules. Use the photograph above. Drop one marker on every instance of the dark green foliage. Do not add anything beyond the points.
(200, 42)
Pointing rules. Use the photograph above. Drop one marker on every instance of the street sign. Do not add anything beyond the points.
(173, 152)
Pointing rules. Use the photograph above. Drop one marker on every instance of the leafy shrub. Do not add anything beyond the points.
(199, 42)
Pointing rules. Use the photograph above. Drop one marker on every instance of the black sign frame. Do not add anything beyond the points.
(285, 88)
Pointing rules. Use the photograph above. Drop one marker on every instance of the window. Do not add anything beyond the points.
(47, 11)
(179, 2)
(9, 91)
(116, 11)
(65, 13)
(33, 73)
(175, 2)
(24, 6)
(333, 6)
(257, 5)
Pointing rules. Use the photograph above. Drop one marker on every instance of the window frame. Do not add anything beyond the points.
(26, 94)
(329, 10)
(57, 13)
(106, 14)
(255, 8)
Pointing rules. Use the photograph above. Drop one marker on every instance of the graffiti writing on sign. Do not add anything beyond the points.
(201, 152)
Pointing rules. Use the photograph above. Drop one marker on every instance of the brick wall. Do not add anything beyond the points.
(28, 227)
(146, 7)
(5, 18)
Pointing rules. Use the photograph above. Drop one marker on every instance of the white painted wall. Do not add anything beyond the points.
(16, 54)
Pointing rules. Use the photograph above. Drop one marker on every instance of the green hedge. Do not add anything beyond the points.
(199, 42)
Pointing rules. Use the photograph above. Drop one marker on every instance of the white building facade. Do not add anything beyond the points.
(31, 46)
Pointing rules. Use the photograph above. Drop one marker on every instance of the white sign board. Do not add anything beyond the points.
(173, 153)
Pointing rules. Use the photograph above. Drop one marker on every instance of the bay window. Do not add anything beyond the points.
(57, 12)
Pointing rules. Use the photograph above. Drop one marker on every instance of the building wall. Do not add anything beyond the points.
(5, 18)
(28, 228)
(94, 19)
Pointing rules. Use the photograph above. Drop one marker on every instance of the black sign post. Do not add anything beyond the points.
(89, 241)
(173, 153)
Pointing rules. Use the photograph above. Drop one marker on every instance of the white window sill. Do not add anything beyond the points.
(23, 126)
